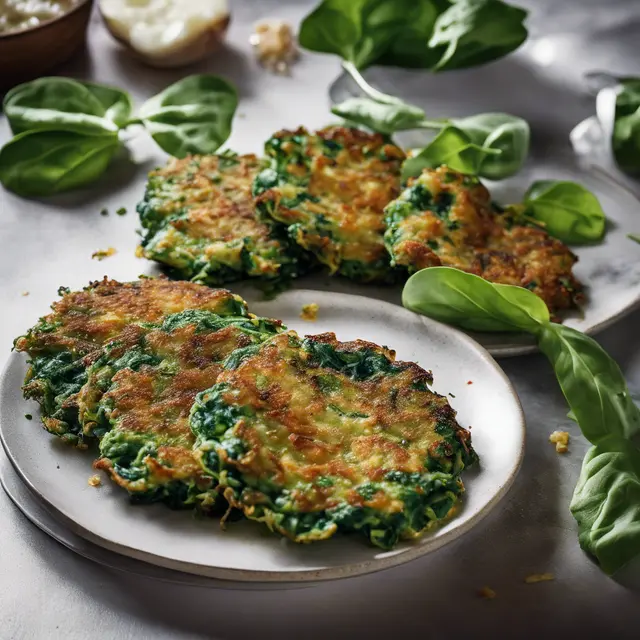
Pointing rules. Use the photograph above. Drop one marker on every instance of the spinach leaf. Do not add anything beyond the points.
(506, 133)
(420, 34)
(625, 140)
(477, 31)
(193, 115)
(452, 147)
(41, 163)
(410, 48)
(606, 503)
(66, 105)
(381, 117)
(568, 210)
(468, 301)
(491, 145)
(592, 383)
(361, 31)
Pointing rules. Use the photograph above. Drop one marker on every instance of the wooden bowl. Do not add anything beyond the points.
(29, 53)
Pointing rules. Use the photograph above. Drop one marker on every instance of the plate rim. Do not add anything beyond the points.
(305, 575)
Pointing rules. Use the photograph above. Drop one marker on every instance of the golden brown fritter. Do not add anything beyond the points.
(330, 188)
(447, 218)
(139, 394)
(63, 344)
(199, 218)
(312, 436)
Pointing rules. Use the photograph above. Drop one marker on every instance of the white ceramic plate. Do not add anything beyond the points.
(246, 551)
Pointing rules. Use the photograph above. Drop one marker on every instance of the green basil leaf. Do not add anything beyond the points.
(452, 147)
(378, 116)
(361, 31)
(568, 210)
(506, 133)
(606, 503)
(193, 115)
(625, 141)
(592, 383)
(468, 301)
(64, 104)
(477, 31)
(41, 163)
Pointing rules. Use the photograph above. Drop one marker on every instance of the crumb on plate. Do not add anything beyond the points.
(104, 212)
(103, 253)
(469, 381)
(539, 577)
(94, 481)
(561, 440)
(28, 416)
(487, 593)
(25, 294)
(310, 312)
(121, 211)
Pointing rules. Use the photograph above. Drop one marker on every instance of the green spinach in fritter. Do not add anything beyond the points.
(329, 190)
(313, 436)
(63, 344)
(199, 220)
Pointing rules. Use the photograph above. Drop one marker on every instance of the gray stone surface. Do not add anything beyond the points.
(47, 591)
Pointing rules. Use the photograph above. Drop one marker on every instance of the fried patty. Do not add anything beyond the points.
(63, 344)
(329, 189)
(139, 394)
(199, 220)
(313, 436)
(447, 218)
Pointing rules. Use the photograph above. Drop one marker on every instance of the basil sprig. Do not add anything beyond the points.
(67, 131)
(606, 500)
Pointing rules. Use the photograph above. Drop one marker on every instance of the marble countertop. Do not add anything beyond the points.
(46, 591)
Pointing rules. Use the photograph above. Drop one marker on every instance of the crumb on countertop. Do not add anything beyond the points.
(561, 440)
(103, 253)
(94, 481)
(487, 593)
(310, 312)
(539, 577)
(274, 45)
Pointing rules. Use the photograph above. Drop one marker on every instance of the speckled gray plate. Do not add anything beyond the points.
(58, 474)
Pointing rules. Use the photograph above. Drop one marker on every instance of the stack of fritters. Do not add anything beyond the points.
(190, 398)
(332, 198)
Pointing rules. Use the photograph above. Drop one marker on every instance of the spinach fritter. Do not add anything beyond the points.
(63, 344)
(140, 392)
(329, 189)
(447, 218)
(199, 220)
(312, 436)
